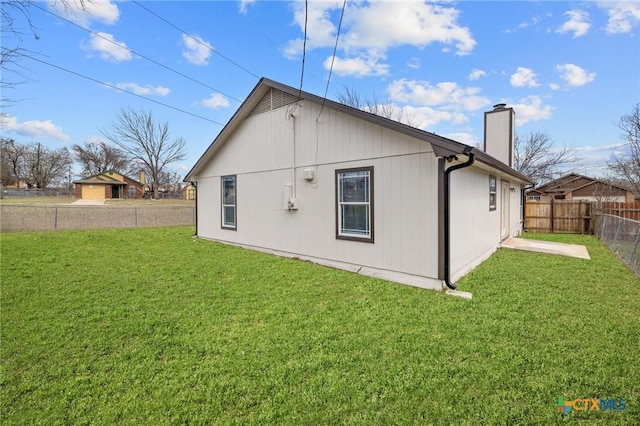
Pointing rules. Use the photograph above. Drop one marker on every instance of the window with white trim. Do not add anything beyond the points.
(354, 204)
(229, 206)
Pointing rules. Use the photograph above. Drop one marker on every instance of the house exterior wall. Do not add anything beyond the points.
(127, 191)
(269, 154)
(475, 229)
(260, 153)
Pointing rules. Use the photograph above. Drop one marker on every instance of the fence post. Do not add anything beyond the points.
(615, 236)
(552, 214)
(635, 245)
(135, 210)
(55, 220)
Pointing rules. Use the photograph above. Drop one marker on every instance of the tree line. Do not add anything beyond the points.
(134, 142)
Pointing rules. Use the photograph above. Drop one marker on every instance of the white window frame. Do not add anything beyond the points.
(354, 235)
(227, 224)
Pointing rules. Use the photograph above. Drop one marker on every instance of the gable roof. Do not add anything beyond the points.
(573, 182)
(105, 178)
(442, 147)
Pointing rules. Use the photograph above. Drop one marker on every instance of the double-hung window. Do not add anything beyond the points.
(229, 206)
(354, 204)
(492, 192)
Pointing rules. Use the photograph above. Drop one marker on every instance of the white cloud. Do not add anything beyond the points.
(108, 48)
(523, 77)
(33, 128)
(414, 63)
(407, 23)
(476, 74)
(104, 11)
(447, 94)
(196, 50)
(578, 23)
(554, 86)
(140, 90)
(465, 138)
(244, 6)
(531, 23)
(623, 15)
(531, 108)
(573, 75)
(605, 148)
(214, 101)
(357, 67)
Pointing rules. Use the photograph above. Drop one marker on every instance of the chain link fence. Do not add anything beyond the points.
(622, 236)
(15, 218)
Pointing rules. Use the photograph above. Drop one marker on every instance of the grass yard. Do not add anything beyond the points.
(38, 200)
(152, 326)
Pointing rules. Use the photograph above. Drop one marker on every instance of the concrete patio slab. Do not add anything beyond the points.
(572, 250)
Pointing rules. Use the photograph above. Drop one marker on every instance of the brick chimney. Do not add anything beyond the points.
(499, 133)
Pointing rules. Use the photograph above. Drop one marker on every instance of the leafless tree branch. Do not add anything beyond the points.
(146, 142)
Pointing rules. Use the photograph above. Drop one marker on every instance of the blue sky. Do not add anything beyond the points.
(570, 69)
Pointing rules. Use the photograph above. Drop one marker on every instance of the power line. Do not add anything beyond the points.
(137, 53)
(120, 89)
(194, 38)
(304, 45)
(333, 58)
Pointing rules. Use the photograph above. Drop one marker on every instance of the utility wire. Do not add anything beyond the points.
(194, 38)
(333, 58)
(304, 45)
(136, 53)
(120, 89)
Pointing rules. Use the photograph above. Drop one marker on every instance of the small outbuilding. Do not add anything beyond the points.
(298, 175)
(108, 185)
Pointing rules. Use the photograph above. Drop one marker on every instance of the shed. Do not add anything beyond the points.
(298, 175)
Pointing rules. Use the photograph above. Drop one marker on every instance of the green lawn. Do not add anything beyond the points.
(152, 327)
(38, 200)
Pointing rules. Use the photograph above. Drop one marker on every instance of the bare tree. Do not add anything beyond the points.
(13, 161)
(146, 142)
(47, 167)
(536, 158)
(376, 106)
(627, 166)
(99, 157)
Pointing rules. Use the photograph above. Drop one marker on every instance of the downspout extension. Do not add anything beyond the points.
(447, 219)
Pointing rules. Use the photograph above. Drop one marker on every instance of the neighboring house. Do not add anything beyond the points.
(576, 187)
(108, 185)
(189, 192)
(298, 175)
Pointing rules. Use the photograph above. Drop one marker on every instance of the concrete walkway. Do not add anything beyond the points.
(572, 250)
(88, 202)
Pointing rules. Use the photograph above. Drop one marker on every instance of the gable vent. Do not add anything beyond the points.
(273, 99)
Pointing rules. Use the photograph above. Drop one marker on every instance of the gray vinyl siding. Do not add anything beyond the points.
(260, 154)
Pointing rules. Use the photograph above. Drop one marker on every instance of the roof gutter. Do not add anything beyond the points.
(447, 211)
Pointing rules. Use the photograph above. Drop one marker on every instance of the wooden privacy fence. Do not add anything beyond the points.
(574, 217)
(626, 210)
(570, 217)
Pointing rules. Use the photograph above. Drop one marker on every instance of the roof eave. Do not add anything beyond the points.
(443, 147)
